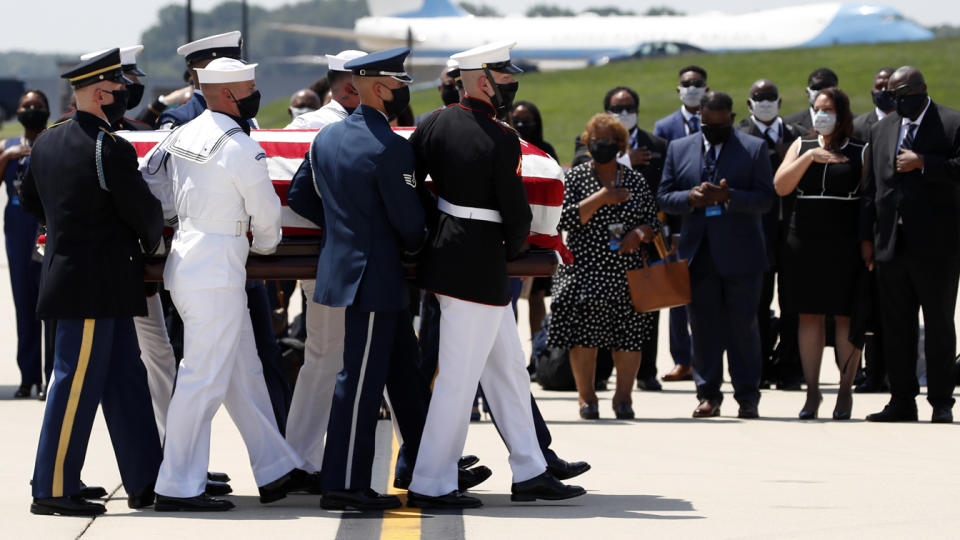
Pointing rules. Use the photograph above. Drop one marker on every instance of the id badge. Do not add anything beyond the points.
(713, 210)
(616, 235)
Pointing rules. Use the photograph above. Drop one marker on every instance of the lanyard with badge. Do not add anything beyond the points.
(710, 171)
(615, 230)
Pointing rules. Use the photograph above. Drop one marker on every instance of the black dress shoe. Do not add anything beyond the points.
(142, 498)
(942, 415)
(790, 384)
(544, 487)
(894, 413)
(92, 492)
(650, 384)
(74, 505)
(469, 478)
(25, 391)
(312, 486)
(294, 480)
(200, 503)
(565, 470)
(42, 393)
(359, 499)
(748, 410)
(454, 499)
(217, 476)
(871, 386)
(217, 489)
(467, 461)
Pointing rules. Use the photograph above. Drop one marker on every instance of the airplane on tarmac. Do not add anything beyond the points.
(435, 29)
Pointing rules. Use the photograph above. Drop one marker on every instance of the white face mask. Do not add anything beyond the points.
(812, 95)
(765, 111)
(629, 120)
(691, 95)
(824, 123)
(297, 111)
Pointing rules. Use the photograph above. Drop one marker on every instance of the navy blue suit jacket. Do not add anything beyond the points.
(358, 183)
(735, 237)
(671, 127)
(179, 116)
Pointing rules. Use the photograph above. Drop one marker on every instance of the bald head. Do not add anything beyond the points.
(305, 98)
(764, 86)
(93, 97)
(477, 85)
(223, 97)
(907, 76)
(374, 91)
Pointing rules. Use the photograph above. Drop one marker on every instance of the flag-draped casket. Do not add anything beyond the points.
(296, 255)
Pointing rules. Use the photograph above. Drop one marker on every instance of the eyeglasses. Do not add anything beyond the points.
(699, 83)
(901, 90)
(765, 96)
(617, 109)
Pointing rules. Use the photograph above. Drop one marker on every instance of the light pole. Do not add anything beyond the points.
(243, 30)
(189, 21)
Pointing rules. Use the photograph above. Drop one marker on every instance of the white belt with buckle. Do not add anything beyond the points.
(468, 212)
(228, 227)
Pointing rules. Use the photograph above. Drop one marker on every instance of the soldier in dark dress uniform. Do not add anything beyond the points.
(84, 184)
(482, 219)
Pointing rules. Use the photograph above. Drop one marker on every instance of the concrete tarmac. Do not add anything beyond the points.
(661, 475)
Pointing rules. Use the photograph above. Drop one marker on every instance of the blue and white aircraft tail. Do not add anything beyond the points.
(435, 29)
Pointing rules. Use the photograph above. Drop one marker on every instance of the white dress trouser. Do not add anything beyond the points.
(478, 343)
(157, 356)
(220, 366)
(313, 394)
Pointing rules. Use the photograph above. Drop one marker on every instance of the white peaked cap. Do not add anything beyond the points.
(128, 55)
(451, 63)
(219, 41)
(335, 62)
(226, 70)
(491, 53)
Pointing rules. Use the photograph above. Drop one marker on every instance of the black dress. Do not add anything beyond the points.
(591, 300)
(821, 256)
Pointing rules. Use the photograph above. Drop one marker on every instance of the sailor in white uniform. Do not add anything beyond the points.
(217, 182)
(323, 358)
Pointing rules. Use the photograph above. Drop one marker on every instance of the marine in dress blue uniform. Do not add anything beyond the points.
(358, 181)
(84, 184)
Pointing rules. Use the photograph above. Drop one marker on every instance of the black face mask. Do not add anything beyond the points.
(884, 101)
(716, 135)
(249, 106)
(400, 101)
(34, 119)
(604, 152)
(527, 129)
(507, 93)
(114, 111)
(449, 94)
(911, 105)
(136, 94)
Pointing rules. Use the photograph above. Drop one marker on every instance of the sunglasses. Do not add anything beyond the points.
(901, 90)
(765, 96)
(699, 83)
(617, 109)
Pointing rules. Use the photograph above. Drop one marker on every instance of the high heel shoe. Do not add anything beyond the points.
(623, 411)
(844, 406)
(809, 410)
(589, 411)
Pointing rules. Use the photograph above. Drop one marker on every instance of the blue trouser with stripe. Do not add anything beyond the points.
(97, 362)
(380, 351)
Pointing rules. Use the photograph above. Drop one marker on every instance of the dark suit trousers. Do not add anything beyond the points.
(723, 316)
(379, 352)
(907, 284)
(268, 350)
(97, 364)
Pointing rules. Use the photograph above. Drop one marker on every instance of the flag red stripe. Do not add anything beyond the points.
(293, 150)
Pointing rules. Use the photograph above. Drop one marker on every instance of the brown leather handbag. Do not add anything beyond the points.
(663, 284)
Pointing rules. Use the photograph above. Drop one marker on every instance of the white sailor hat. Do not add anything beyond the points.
(218, 46)
(128, 58)
(336, 62)
(493, 56)
(226, 70)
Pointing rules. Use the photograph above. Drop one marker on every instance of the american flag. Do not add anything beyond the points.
(542, 177)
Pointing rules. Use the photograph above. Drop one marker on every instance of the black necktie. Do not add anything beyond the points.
(709, 164)
(907, 143)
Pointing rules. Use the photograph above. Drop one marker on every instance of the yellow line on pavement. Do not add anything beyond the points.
(402, 523)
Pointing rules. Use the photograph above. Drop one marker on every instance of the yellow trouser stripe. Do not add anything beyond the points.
(66, 428)
(402, 523)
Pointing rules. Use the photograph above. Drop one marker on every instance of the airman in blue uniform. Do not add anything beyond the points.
(358, 182)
